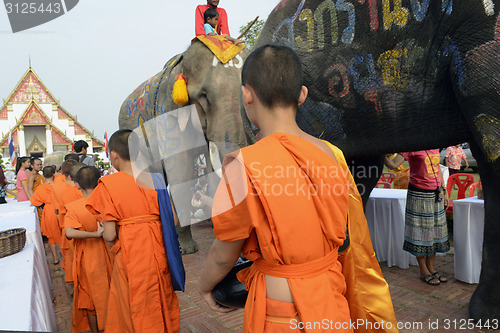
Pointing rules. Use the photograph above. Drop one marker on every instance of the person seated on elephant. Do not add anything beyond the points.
(260, 209)
(222, 25)
(426, 230)
(211, 18)
(141, 295)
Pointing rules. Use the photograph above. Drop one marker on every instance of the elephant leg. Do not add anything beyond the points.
(366, 171)
(485, 302)
(188, 245)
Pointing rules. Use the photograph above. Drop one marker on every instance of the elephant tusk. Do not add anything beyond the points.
(215, 158)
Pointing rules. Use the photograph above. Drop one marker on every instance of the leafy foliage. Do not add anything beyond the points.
(251, 36)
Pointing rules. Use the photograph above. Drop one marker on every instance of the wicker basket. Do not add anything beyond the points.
(12, 241)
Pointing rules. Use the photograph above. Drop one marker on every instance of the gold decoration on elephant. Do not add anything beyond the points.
(489, 127)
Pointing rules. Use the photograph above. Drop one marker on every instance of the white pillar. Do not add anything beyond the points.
(48, 139)
(22, 142)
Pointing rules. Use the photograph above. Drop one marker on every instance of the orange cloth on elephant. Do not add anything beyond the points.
(223, 49)
(288, 199)
(49, 223)
(59, 179)
(141, 296)
(63, 194)
(92, 267)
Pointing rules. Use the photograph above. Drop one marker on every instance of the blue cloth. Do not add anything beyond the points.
(209, 29)
(170, 236)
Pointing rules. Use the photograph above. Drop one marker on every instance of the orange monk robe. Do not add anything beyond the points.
(268, 197)
(367, 291)
(62, 195)
(141, 296)
(49, 223)
(92, 267)
(38, 181)
(59, 179)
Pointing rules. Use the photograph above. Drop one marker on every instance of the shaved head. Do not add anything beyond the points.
(72, 156)
(74, 169)
(66, 166)
(87, 177)
(119, 143)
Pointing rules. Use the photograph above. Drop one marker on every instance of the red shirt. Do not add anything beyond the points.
(222, 26)
(424, 168)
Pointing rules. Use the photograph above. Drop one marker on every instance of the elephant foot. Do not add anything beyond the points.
(188, 245)
(483, 304)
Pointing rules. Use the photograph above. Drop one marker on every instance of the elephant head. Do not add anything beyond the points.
(214, 89)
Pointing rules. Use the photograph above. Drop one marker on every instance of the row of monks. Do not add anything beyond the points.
(121, 284)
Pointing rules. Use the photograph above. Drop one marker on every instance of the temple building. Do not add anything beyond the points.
(39, 124)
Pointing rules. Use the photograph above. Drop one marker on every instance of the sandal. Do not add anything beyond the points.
(429, 280)
(438, 276)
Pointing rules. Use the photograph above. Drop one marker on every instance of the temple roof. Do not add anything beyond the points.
(30, 87)
(32, 91)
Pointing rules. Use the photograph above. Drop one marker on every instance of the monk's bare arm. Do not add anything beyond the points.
(220, 260)
(109, 233)
(81, 234)
(395, 162)
(31, 181)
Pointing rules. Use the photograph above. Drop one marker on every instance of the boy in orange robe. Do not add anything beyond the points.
(49, 223)
(63, 194)
(141, 296)
(91, 262)
(284, 203)
(59, 178)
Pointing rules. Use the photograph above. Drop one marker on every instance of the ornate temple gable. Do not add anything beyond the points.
(3, 113)
(30, 87)
(33, 115)
(35, 146)
(97, 143)
(4, 143)
(58, 138)
(63, 114)
(79, 130)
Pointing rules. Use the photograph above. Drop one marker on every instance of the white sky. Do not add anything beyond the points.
(94, 56)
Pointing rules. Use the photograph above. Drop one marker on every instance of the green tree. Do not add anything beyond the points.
(251, 36)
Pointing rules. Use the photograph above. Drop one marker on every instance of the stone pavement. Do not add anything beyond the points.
(417, 305)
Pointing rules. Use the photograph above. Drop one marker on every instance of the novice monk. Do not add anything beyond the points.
(141, 296)
(59, 177)
(91, 262)
(63, 194)
(284, 202)
(35, 179)
(49, 223)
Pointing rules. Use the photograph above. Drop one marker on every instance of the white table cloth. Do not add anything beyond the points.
(385, 214)
(468, 229)
(22, 215)
(24, 305)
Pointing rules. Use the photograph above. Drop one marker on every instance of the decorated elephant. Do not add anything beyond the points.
(214, 88)
(403, 75)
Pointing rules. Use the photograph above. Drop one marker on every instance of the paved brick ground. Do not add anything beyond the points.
(415, 302)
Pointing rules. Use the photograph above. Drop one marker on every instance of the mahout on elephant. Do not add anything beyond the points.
(403, 75)
(214, 88)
